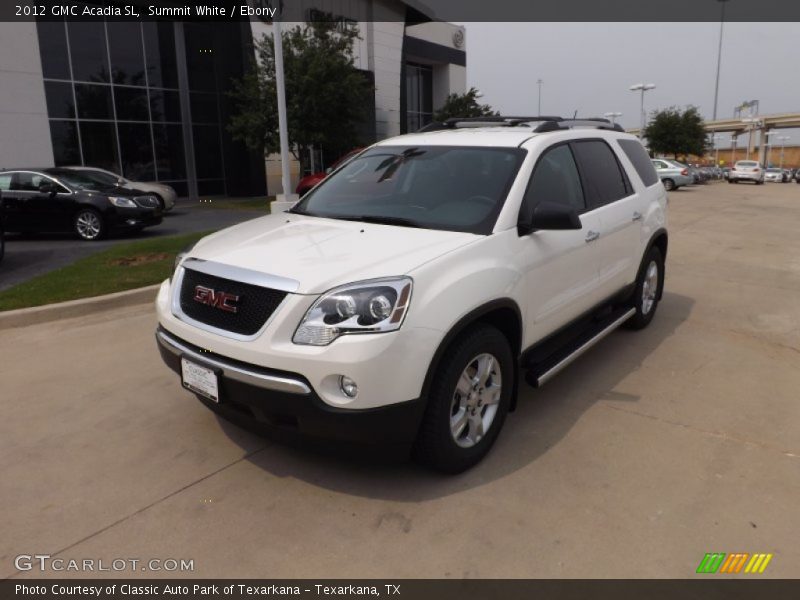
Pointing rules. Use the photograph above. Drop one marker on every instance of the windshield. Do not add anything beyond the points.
(774, 171)
(79, 179)
(452, 188)
(101, 176)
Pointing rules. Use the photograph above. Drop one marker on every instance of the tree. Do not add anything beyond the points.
(463, 105)
(326, 95)
(677, 132)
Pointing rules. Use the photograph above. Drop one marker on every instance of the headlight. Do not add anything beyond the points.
(122, 202)
(374, 306)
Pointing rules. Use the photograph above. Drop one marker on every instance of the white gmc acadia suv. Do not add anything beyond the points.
(402, 298)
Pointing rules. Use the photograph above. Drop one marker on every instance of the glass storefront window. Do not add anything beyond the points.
(127, 52)
(94, 101)
(159, 42)
(419, 96)
(170, 161)
(53, 49)
(64, 135)
(165, 106)
(60, 102)
(99, 143)
(137, 151)
(87, 45)
(131, 103)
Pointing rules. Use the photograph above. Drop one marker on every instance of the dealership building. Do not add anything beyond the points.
(148, 99)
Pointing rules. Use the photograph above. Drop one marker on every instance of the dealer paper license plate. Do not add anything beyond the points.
(200, 380)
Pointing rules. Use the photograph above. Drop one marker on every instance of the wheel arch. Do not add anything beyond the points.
(503, 314)
(659, 239)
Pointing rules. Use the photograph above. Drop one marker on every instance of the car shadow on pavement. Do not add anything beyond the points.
(541, 421)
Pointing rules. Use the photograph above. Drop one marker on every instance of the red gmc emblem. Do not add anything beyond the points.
(221, 300)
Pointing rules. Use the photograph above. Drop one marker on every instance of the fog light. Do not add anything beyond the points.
(348, 386)
(131, 222)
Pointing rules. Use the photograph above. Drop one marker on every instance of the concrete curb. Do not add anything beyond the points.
(77, 308)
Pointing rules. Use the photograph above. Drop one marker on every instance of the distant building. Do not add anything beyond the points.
(147, 100)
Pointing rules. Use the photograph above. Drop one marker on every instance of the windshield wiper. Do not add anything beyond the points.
(380, 220)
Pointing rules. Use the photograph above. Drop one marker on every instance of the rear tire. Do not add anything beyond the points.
(468, 401)
(649, 285)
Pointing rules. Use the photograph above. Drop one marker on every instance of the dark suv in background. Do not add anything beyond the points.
(62, 200)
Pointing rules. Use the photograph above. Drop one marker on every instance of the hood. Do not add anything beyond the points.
(323, 253)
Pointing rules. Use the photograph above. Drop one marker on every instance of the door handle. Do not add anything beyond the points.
(592, 236)
(637, 216)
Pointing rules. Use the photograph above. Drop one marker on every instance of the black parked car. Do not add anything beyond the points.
(60, 200)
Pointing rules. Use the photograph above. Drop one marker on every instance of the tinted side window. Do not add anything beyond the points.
(641, 161)
(26, 182)
(603, 178)
(555, 179)
(5, 182)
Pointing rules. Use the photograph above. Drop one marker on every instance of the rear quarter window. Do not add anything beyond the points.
(604, 179)
(641, 161)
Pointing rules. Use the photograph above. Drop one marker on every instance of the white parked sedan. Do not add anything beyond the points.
(163, 193)
(775, 175)
(747, 170)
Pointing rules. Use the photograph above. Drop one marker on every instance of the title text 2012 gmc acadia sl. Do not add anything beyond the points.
(401, 298)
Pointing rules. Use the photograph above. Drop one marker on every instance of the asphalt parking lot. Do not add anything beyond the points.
(30, 255)
(651, 450)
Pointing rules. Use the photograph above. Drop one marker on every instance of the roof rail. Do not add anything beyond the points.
(568, 123)
(497, 120)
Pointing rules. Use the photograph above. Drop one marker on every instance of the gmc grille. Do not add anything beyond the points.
(255, 305)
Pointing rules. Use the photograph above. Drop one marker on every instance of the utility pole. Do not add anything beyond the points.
(719, 57)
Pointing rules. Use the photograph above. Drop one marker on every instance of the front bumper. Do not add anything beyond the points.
(134, 218)
(283, 405)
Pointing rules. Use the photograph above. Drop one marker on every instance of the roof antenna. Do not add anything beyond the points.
(575, 116)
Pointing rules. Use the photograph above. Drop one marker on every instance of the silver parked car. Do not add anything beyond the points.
(747, 170)
(163, 193)
(775, 175)
(672, 173)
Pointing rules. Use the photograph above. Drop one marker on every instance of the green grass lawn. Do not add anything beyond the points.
(254, 204)
(123, 267)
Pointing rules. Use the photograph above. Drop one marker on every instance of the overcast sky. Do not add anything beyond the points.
(589, 67)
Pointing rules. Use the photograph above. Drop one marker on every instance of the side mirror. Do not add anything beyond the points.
(551, 216)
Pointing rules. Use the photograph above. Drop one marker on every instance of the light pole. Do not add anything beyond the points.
(768, 135)
(783, 139)
(719, 56)
(613, 116)
(643, 87)
(714, 139)
(539, 82)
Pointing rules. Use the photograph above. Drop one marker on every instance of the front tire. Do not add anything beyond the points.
(669, 185)
(649, 285)
(468, 401)
(89, 225)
